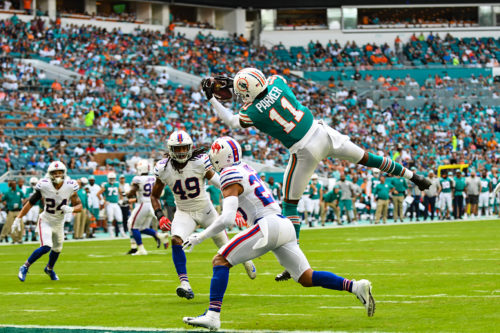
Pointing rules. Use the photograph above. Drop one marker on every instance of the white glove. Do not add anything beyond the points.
(497, 189)
(16, 226)
(67, 209)
(192, 240)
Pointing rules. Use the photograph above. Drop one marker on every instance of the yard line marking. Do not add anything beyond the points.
(43, 293)
(285, 314)
(32, 310)
(154, 329)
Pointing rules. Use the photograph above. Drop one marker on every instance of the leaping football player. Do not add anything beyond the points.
(271, 106)
(141, 217)
(57, 191)
(185, 171)
(268, 230)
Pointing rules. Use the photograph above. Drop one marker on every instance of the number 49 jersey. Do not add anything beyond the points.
(256, 201)
(145, 184)
(187, 184)
(55, 198)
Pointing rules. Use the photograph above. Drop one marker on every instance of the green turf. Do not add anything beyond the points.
(426, 278)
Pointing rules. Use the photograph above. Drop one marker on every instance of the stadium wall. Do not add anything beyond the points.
(303, 37)
(418, 74)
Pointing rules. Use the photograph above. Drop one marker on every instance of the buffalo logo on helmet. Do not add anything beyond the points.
(242, 84)
(216, 147)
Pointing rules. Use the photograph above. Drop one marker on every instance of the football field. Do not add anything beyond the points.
(427, 277)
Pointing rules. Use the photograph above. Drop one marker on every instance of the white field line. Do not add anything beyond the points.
(154, 329)
(302, 230)
(286, 314)
(44, 293)
(32, 310)
(341, 307)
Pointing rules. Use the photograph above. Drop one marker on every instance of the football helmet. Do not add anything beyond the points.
(314, 176)
(33, 181)
(180, 146)
(56, 166)
(249, 83)
(143, 167)
(111, 177)
(84, 180)
(224, 152)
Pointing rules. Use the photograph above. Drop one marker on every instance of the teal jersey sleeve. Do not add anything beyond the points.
(279, 113)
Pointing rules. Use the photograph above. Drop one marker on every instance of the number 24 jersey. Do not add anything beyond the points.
(187, 184)
(55, 198)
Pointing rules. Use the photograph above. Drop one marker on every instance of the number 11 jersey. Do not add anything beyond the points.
(278, 113)
(187, 184)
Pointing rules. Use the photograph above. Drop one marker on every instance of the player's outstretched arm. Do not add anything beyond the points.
(213, 178)
(226, 219)
(230, 119)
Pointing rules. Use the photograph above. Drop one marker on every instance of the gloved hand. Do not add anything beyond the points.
(192, 240)
(208, 88)
(165, 224)
(16, 226)
(67, 209)
(239, 220)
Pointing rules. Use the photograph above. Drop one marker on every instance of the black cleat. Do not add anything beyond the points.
(422, 182)
(282, 276)
(132, 251)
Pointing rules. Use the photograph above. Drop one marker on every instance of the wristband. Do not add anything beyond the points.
(159, 214)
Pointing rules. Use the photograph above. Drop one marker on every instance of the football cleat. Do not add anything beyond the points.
(250, 268)
(283, 276)
(363, 291)
(185, 291)
(131, 251)
(23, 270)
(140, 252)
(422, 182)
(51, 273)
(209, 319)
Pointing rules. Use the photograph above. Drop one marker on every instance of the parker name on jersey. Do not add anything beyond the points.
(188, 184)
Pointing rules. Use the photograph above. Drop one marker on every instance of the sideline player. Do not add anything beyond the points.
(58, 191)
(269, 231)
(31, 217)
(142, 215)
(185, 171)
(112, 196)
(271, 106)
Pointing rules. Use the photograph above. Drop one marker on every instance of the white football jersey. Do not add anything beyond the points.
(188, 184)
(145, 184)
(256, 201)
(54, 198)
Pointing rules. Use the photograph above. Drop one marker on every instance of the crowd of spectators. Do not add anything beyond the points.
(130, 104)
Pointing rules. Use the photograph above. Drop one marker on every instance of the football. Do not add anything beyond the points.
(221, 89)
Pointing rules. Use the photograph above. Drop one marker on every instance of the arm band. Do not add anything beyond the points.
(35, 197)
(226, 115)
(159, 214)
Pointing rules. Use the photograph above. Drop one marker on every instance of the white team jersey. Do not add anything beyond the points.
(256, 201)
(188, 184)
(145, 184)
(55, 199)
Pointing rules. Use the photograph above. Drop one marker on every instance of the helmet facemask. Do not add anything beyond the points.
(57, 176)
(181, 153)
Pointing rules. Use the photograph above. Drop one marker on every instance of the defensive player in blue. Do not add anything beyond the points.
(267, 231)
(57, 192)
(271, 106)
